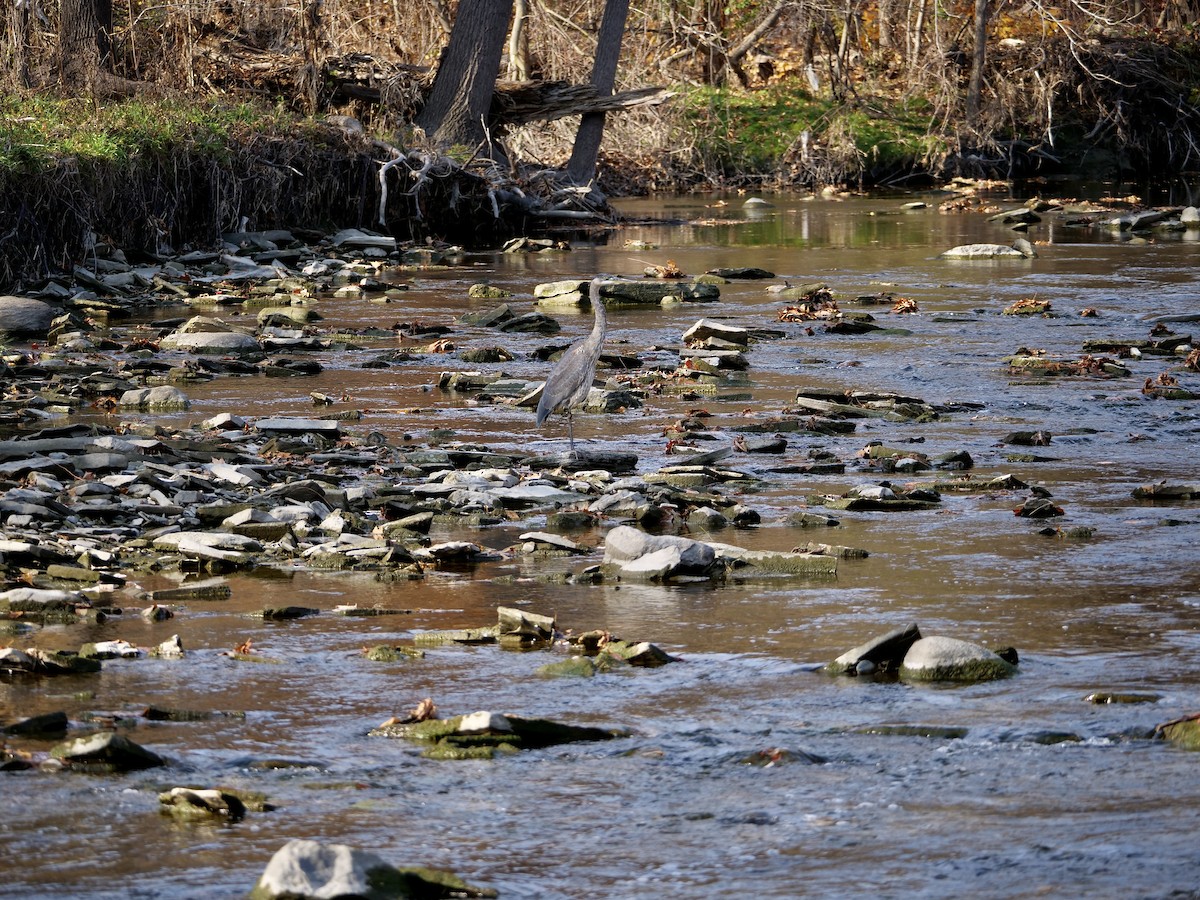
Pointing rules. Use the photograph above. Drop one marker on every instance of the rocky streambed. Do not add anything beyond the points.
(229, 608)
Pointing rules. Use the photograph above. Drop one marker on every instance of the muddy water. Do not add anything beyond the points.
(673, 809)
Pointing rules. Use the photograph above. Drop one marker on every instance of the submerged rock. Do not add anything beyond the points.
(481, 734)
(949, 659)
(1106, 697)
(770, 562)
(45, 725)
(307, 870)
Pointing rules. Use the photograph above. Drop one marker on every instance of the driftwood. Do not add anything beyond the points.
(519, 103)
(515, 103)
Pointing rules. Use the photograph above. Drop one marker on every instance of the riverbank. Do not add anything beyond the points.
(150, 175)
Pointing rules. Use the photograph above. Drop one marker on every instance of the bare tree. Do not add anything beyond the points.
(14, 34)
(582, 166)
(518, 43)
(457, 108)
(84, 45)
(707, 35)
(978, 58)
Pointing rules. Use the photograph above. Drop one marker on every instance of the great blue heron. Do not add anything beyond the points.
(569, 381)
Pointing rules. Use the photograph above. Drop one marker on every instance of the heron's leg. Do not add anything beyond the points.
(571, 430)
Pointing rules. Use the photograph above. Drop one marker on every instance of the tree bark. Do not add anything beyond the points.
(887, 24)
(83, 43)
(581, 168)
(978, 57)
(19, 41)
(458, 102)
(518, 43)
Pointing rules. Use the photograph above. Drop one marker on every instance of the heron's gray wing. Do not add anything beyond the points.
(571, 378)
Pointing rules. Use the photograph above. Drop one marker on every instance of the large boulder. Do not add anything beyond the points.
(307, 870)
(202, 334)
(636, 554)
(949, 659)
(25, 316)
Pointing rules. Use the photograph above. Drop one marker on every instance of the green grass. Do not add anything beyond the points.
(751, 132)
(37, 132)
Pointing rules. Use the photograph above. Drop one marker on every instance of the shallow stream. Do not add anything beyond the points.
(675, 810)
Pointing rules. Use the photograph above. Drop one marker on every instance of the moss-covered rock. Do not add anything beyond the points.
(949, 659)
(393, 653)
(1183, 732)
(190, 803)
(573, 667)
(484, 733)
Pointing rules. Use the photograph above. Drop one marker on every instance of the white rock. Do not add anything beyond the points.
(319, 872)
(484, 722)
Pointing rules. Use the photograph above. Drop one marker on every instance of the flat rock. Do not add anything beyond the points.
(707, 328)
(648, 291)
(216, 342)
(983, 251)
(220, 540)
(526, 495)
(326, 427)
(41, 600)
(770, 562)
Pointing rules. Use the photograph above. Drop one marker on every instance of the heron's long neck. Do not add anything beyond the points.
(601, 322)
(599, 311)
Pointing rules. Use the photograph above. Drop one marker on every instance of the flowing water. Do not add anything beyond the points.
(674, 809)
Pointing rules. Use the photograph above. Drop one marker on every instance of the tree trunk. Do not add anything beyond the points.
(18, 24)
(916, 30)
(83, 43)
(975, 85)
(887, 20)
(582, 166)
(457, 108)
(518, 43)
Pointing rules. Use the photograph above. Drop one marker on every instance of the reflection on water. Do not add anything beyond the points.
(674, 809)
